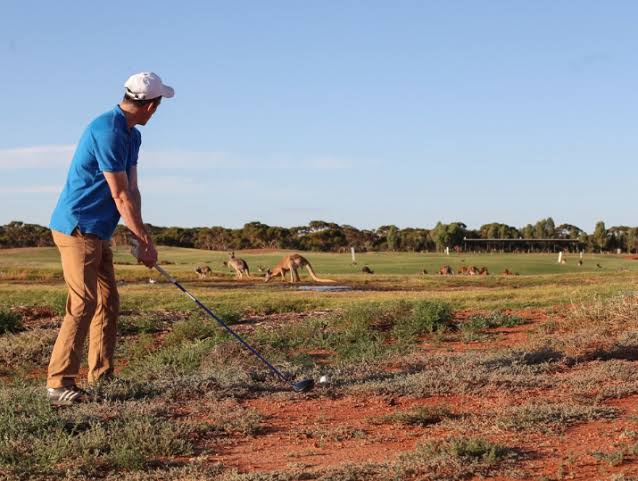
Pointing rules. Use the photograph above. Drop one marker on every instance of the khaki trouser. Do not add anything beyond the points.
(92, 307)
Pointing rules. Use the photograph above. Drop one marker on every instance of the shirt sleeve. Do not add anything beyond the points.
(110, 151)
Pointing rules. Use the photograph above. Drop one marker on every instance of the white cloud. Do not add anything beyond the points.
(36, 157)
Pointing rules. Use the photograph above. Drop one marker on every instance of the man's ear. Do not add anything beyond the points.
(151, 107)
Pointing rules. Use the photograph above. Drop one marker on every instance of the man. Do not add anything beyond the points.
(101, 186)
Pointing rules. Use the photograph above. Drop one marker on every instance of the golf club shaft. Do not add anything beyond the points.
(222, 323)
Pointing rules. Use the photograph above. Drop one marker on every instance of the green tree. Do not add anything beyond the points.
(393, 238)
(528, 231)
(540, 229)
(632, 235)
(599, 237)
(550, 228)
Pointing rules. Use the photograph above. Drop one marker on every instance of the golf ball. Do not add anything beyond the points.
(324, 379)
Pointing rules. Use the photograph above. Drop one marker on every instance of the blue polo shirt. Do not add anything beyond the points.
(107, 145)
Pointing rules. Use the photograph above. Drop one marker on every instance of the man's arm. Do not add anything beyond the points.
(128, 201)
(135, 192)
(127, 204)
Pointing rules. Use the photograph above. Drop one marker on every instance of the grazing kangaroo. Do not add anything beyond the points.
(292, 263)
(446, 271)
(203, 271)
(472, 271)
(367, 270)
(424, 271)
(239, 265)
(484, 271)
(462, 270)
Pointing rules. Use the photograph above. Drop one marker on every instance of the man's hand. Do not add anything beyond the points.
(144, 252)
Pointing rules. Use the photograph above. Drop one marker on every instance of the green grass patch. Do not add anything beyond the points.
(10, 321)
(424, 317)
(35, 439)
(493, 320)
(177, 360)
(472, 327)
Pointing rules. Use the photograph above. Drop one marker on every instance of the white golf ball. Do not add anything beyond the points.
(324, 379)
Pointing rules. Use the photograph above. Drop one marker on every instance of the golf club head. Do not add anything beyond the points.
(303, 386)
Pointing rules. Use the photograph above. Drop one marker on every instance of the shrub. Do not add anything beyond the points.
(426, 317)
(10, 322)
(493, 320)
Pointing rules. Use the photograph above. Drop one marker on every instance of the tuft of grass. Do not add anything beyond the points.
(174, 360)
(425, 317)
(556, 417)
(193, 329)
(472, 327)
(454, 458)
(494, 320)
(10, 322)
(614, 458)
(477, 449)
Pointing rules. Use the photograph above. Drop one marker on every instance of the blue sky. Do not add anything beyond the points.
(357, 112)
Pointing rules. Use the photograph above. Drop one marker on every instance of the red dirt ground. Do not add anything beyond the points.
(323, 433)
(320, 433)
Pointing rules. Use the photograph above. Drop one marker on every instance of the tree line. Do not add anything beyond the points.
(330, 237)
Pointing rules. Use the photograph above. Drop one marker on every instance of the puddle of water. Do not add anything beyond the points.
(324, 288)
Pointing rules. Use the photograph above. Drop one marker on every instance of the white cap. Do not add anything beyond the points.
(146, 86)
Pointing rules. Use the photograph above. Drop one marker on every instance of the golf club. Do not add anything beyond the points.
(301, 386)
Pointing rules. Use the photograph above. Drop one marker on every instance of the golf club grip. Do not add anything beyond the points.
(223, 324)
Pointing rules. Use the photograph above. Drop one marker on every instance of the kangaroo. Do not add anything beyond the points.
(424, 271)
(446, 271)
(484, 271)
(292, 263)
(367, 270)
(239, 265)
(472, 271)
(203, 271)
(462, 270)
